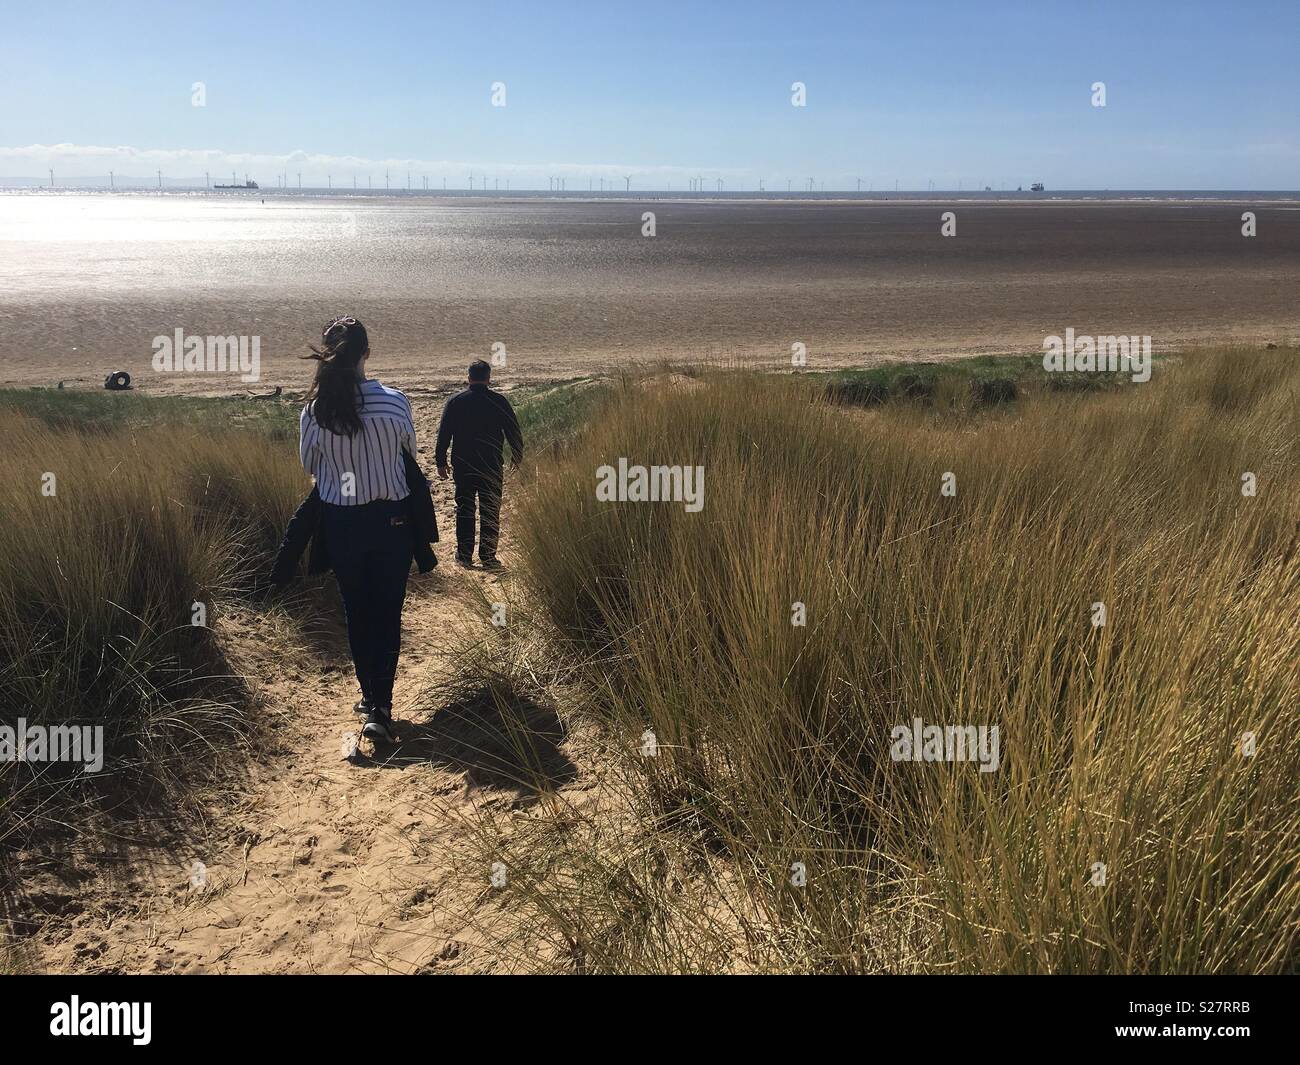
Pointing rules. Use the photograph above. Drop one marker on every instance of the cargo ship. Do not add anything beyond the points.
(245, 185)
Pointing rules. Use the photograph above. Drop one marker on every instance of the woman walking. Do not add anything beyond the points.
(357, 440)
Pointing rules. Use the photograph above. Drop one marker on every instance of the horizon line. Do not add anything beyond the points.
(94, 183)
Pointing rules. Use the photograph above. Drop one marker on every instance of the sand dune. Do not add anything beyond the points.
(314, 864)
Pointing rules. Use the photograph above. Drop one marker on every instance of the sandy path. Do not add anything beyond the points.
(314, 863)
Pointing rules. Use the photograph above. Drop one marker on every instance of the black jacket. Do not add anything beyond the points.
(305, 525)
(475, 423)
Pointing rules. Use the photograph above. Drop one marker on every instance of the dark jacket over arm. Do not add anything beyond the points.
(476, 424)
(425, 527)
(306, 526)
(303, 527)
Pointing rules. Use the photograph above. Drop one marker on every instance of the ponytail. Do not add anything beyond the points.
(334, 397)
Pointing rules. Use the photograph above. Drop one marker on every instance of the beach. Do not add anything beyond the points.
(571, 287)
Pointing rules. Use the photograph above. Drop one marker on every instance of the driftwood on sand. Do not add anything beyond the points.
(273, 394)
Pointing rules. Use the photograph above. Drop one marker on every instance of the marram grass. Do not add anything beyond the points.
(1125, 829)
(110, 538)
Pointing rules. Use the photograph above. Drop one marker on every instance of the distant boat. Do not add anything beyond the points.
(245, 185)
(1037, 186)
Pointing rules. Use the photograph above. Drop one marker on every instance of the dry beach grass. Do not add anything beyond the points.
(1120, 744)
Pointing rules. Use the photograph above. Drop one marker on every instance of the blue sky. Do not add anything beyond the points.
(1199, 95)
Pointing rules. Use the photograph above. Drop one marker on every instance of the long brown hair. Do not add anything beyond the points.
(334, 396)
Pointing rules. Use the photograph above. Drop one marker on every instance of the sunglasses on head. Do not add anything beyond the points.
(343, 322)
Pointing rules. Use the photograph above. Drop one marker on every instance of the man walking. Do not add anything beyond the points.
(475, 424)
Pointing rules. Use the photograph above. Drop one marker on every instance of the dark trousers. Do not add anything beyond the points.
(486, 492)
(370, 546)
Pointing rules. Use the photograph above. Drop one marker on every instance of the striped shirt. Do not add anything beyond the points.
(352, 470)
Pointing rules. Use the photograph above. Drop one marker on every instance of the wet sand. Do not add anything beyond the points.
(572, 287)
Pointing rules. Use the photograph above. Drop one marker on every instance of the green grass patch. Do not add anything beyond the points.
(103, 411)
(551, 414)
(981, 381)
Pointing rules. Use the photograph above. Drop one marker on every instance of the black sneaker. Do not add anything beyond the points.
(362, 709)
(379, 725)
(464, 563)
(492, 563)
